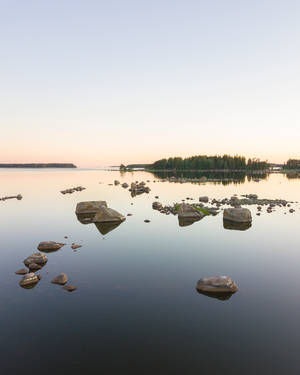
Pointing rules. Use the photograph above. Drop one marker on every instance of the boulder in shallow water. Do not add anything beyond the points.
(60, 279)
(37, 258)
(48, 246)
(218, 285)
(108, 215)
(89, 207)
(29, 279)
(186, 211)
(238, 215)
(203, 199)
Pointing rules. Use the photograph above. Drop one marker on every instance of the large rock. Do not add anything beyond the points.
(60, 279)
(218, 284)
(203, 199)
(89, 207)
(108, 215)
(48, 246)
(156, 205)
(186, 211)
(29, 279)
(36, 258)
(238, 215)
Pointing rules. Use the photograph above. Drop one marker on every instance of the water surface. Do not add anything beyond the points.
(136, 310)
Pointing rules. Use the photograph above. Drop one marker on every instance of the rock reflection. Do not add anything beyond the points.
(227, 224)
(220, 296)
(105, 228)
(184, 222)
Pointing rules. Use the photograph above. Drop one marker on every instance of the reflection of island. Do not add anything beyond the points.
(39, 165)
(224, 178)
(220, 296)
(227, 224)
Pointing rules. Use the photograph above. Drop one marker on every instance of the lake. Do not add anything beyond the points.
(136, 309)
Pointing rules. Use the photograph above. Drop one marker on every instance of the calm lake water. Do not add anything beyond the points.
(136, 310)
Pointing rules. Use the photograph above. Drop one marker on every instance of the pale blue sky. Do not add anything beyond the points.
(103, 82)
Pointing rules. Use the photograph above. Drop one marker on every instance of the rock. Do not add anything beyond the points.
(125, 185)
(37, 258)
(89, 207)
(22, 271)
(219, 284)
(29, 279)
(34, 267)
(291, 210)
(203, 199)
(70, 288)
(156, 205)
(156, 197)
(129, 214)
(106, 214)
(116, 182)
(239, 215)
(74, 246)
(186, 211)
(48, 246)
(60, 279)
(105, 228)
(146, 221)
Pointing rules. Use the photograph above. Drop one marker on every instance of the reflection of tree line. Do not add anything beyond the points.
(224, 178)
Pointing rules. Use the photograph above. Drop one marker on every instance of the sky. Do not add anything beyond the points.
(100, 83)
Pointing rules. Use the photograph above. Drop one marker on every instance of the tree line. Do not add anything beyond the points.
(204, 162)
(292, 164)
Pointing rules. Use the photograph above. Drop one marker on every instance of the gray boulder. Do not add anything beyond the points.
(156, 205)
(186, 211)
(203, 199)
(89, 207)
(238, 215)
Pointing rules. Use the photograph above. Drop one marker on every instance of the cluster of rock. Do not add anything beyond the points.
(18, 197)
(137, 188)
(97, 212)
(37, 261)
(187, 213)
(72, 190)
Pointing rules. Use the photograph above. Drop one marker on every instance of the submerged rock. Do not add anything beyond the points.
(70, 288)
(22, 271)
(238, 214)
(48, 246)
(36, 258)
(29, 279)
(219, 286)
(60, 279)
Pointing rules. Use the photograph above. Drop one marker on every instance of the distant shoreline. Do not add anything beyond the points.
(38, 165)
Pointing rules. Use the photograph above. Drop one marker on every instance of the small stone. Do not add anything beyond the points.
(49, 246)
(74, 246)
(37, 258)
(22, 271)
(60, 279)
(147, 221)
(70, 288)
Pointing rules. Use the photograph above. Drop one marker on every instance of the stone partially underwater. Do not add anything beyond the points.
(105, 219)
(220, 287)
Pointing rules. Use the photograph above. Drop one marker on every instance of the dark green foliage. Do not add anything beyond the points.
(204, 162)
(292, 164)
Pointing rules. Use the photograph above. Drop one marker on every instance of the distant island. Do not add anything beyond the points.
(38, 165)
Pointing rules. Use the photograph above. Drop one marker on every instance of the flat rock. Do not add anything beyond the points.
(238, 214)
(186, 211)
(49, 246)
(29, 279)
(74, 246)
(70, 288)
(89, 207)
(60, 279)
(37, 258)
(22, 271)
